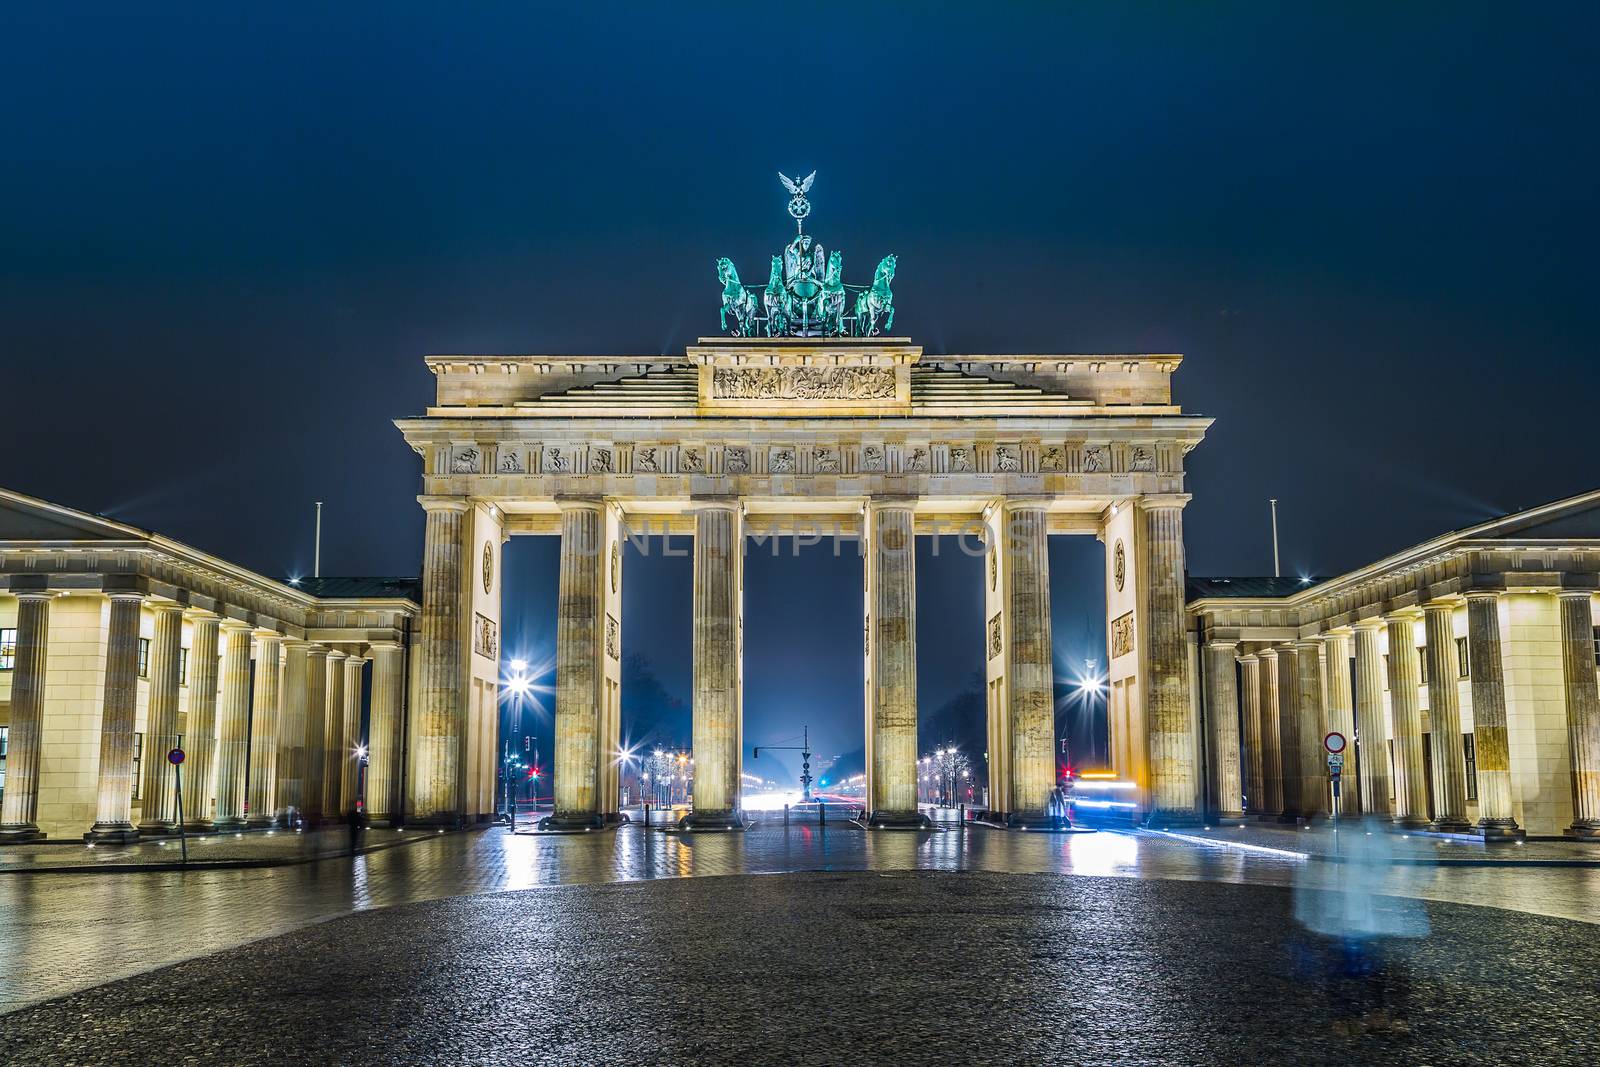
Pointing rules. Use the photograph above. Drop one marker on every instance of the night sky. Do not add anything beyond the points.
(231, 233)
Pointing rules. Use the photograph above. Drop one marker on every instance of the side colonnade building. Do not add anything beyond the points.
(1463, 670)
(118, 645)
(751, 437)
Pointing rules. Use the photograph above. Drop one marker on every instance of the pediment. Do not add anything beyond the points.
(1576, 517)
(24, 518)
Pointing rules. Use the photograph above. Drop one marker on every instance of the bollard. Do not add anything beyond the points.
(647, 816)
(963, 816)
(786, 815)
(822, 814)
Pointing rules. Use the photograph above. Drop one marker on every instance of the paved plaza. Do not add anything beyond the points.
(894, 966)
(1015, 947)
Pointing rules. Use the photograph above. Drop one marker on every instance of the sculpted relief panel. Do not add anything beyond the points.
(802, 383)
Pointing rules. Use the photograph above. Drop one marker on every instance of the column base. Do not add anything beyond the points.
(1269, 816)
(713, 821)
(1450, 826)
(1022, 821)
(111, 833)
(1500, 830)
(260, 822)
(1290, 818)
(1584, 831)
(20, 835)
(227, 826)
(571, 824)
(1411, 822)
(1166, 820)
(899, 820)
(157, 829)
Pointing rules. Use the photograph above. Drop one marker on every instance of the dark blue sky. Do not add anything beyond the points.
(230, 233)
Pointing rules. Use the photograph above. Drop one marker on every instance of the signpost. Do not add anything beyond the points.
(1334, 742)
(175, 757)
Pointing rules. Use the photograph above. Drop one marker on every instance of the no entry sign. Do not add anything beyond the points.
(1334, 742)
(175, 756)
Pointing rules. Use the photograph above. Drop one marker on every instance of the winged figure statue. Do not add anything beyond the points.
(798, 188)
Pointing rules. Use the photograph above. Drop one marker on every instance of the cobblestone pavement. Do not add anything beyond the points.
(65, 932)
(861, 968)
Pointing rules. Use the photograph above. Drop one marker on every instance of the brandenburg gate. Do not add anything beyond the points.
(809, 415)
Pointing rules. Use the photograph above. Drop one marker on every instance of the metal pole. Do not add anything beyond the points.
(177, 789)
(1275, 571)
(316, 556)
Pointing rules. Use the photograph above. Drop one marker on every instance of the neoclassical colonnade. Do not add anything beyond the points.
(753, 439)
(129, 645)
(1464, 671)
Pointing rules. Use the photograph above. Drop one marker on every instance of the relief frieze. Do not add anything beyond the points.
(802, 383)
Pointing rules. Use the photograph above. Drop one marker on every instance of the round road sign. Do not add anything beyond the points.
(175, 756)
(1334, 742)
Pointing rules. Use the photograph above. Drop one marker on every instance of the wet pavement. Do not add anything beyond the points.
(904, 967)
(256, 848)
(63, 933)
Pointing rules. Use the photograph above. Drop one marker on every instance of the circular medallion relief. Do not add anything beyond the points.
(1119, 564)
(488, 567)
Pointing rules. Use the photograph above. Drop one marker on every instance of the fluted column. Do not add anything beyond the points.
(20, 812)
(350, 736)
(1271, 737)
(1490, 744)
(1294, 779)
(1371, 734)
(441, 712)
(1314, 792)
(1405, 708)
(1169, 711)
(718, 544)
(114, 799)
(1250, 715)
(291, 792)
(324, 747)
(384, 733)
(1444, 720)
(200, 733)
(158, 805)
(264, 714)
(891, 675)
(1222, 706)
(311, 758)
(578, 667)
(1030, 663)
(1583, 709)
(233, 727)
(1341, 715)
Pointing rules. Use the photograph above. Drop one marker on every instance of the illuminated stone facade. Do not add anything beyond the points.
(1466, 665)
(129, 644)
(756, 437)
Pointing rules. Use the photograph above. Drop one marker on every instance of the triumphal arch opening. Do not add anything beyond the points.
(808, 413)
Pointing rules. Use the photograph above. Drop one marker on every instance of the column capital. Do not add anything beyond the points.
(1270, 652)
(579, 503)
(715, 502)
(1436, 607)
(1231, 644)
(1154, 501)
(898, 501)
(1484, 594)
(235, 626)
(1249, 657)
(1574, 594)
(127, 594)
(166, 606)
(445, 503)
(201, 615)
(1411, 614)
(1309, 644)
(34, 594)
(314, 649)
(1018, 503)
(292, 643)
(384, 646)
(334, 653)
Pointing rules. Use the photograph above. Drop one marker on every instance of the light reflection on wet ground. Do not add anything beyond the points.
(60, 933)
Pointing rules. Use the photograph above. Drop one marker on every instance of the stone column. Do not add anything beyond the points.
(384, 733)
(200, 733)
(312, 760)
(1444, 720)
(1294, 778)
(1489, 741)
(1222, 705)
(578, 667)
(1405, 708)
(718, 545)
(20, 811)
(291, 793)
(1250, 714)
(1314, 791)
(158, 807)
(1341, 716)
(441, 713)
(1169, 711)
(349, 737)
(1583, 709)
(114, 802)
(1030, 663)
(264, 715)
(1371, 733)
(1271, 738)
(891, 674)
(329, 742)
(233, 732)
